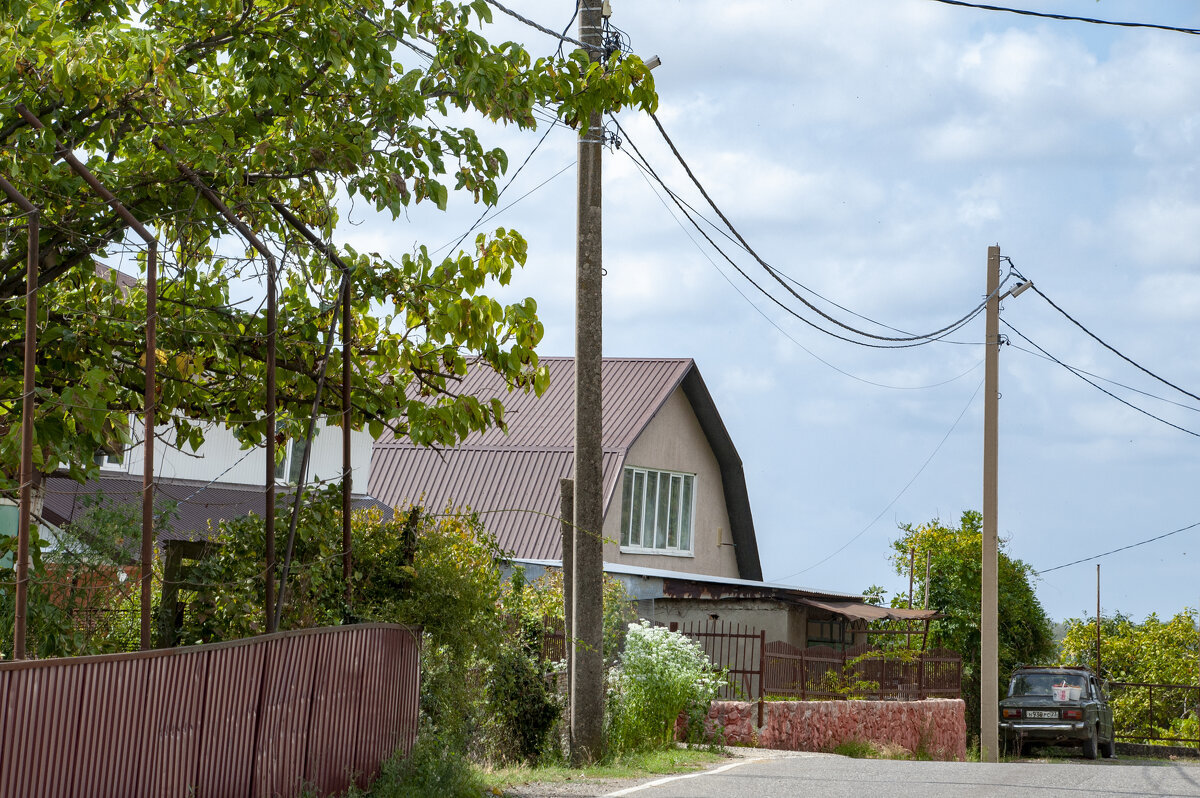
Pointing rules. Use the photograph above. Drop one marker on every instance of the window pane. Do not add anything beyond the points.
(639, 486)
(651, 507)
(663, 504)
(626, 498)
(673, 518)
(298, 447)
(685, 515)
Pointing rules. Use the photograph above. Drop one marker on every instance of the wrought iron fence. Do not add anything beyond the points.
(1156, 713)
(822, 672)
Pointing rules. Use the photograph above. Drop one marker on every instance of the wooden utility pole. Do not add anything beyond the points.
(1097, 620)
(989, 671)
(587, 664)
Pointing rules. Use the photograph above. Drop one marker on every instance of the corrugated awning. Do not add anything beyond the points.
(857, 610)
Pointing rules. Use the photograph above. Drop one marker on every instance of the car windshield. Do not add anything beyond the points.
(1041, 683)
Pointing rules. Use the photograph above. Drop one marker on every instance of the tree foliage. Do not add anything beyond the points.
(83, 594)
(954, 589)
(1152, 652)
(289, 101)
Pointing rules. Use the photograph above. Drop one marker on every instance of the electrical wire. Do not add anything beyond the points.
(1098, 387)
(1102, 342)
(562, 37)
(1122, 548)
(886, 344)
(774, 274)
(771, 321)
(1067, 18)
(1093, 375)
(903, 490)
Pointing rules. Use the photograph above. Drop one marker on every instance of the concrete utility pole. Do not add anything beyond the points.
(587, 664)
(989, 672)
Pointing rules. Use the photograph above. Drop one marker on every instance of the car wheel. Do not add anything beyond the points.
(1089, 745)
(1108, 748)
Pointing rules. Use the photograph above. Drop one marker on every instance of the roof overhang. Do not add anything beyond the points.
(856, 610)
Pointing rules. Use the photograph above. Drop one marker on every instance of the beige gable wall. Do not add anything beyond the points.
(673, 441)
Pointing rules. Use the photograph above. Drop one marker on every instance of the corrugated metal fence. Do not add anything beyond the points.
(269, 716)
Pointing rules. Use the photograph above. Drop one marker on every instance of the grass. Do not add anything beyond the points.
(864, 749)
(631, 766)
(431, 773)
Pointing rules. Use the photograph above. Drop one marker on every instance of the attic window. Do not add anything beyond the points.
(657, 511)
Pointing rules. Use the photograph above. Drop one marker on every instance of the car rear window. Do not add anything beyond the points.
(1035, 683)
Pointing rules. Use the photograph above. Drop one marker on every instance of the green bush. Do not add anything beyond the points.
(434, 769)
(523, 709)
(661, 674)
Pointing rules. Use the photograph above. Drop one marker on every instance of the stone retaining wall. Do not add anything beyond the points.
(935, 726)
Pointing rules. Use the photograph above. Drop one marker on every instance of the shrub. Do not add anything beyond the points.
(661, 674)
(523, 709)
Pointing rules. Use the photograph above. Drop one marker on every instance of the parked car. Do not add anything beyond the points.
(1057, 705)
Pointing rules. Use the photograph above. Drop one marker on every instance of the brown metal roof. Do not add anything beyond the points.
(512, 479)
(869, 612)
(634, 390)
(197, 503)
(514, 492)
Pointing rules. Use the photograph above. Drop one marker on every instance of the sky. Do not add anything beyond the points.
(872, 150)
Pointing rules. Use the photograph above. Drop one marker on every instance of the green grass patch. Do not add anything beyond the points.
(630, 766)
(433, 772)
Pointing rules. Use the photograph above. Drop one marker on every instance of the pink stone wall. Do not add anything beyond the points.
(937, 726)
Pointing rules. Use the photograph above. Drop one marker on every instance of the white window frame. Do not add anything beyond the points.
(675, 513)
(287, 470)
(116, 461)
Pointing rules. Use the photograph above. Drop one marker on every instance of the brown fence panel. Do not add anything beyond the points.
(817, 672)
(173, 723)
(40, 726)
(232, 683)
(284, 722)
(381, 733)
(114, 695)
(264, 717)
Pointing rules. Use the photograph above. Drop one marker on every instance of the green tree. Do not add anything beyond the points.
(954, 589)
(439, 571)
(1152, 652)
(288, 101)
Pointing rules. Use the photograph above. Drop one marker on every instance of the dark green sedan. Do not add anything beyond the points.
(1056, 705)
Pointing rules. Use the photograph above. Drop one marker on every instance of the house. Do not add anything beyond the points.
(218, 481)
(678, 529)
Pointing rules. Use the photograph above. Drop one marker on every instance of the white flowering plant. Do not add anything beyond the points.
(660, 674)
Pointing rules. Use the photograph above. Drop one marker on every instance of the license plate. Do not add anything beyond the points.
(1041, 713)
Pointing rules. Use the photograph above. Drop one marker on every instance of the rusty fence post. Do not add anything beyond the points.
(148, 401)
(762, 672)
(27, 389)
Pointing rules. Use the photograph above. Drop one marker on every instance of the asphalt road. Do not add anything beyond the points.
(829, 776)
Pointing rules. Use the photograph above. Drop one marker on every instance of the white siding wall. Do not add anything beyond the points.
(221, 451)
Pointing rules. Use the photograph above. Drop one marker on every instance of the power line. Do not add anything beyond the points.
(767, 318)
(1123, 548)
(887, 344)
(1098, 387)
(1068, 18)
(773, 272)
(1106, 345)
(903, 490)
(560, 36)
(1093, 375)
